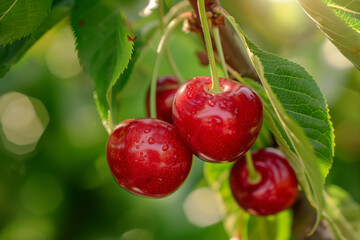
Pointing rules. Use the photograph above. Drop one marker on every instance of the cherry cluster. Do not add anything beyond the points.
(153, 157)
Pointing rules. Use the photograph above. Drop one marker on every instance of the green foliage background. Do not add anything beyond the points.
(64, 190)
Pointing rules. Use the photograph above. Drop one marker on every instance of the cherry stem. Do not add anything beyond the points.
(171, 61)
(215, 88)
(160, 52)
(108, 124)
(219, 48)
(254, 176)
(235, 74)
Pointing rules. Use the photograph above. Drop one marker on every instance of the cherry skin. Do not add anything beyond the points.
(217, 127)
(276, 190)
(147, 157)
(165, 93)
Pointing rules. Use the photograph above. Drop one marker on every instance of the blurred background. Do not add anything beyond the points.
(54, 178)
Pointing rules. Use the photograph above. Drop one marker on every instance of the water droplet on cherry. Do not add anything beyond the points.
(223, 104)
(190, 94)
(217, 119)
(212, 103)
(165, 147)
(147, 130)
(151, 141)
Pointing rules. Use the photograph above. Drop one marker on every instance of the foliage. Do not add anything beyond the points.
(105, 44)
(295, 110)
(20, 18)
(340, 22)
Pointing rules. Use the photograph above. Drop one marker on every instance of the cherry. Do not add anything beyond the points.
(218, 127)
(165, 93)
(147, 157)
(275, 191)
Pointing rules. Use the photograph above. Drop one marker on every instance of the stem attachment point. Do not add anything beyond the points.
(254, 176)
(216, 88)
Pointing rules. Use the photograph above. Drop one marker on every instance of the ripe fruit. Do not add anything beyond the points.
(147, 157)
(276, 190)
(217, 127)
(165, 92)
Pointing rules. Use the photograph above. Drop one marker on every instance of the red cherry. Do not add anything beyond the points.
(165, 93)
(218, 127)
(277, 189)
(147, 157)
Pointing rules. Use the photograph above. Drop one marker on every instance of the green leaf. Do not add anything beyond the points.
(342, 212)
(19, 18)
(123, 79)
(339, 20)
(12, 53)
(347, 10)
(104, 44)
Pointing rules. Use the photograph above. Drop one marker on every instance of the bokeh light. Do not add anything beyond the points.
(23, 121)
(137, 234)
(41, 194)
(202, 207)
(28, 229)
(333, 56)
(61, 57)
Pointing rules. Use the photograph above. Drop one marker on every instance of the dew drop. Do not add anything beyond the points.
(165, 147)
(189, 87)
(189, 94)
(223, 104)
(137, 146)
(217, 119)
(160, 179)
(147, 130)
(169, 128)
(141, 153)
(236, 111)
(188, 137)
(212, 103)
(137, 140)
(151, 141)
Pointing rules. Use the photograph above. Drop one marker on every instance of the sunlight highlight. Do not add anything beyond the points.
(202, 207)
(23, 121)
(333, 56)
